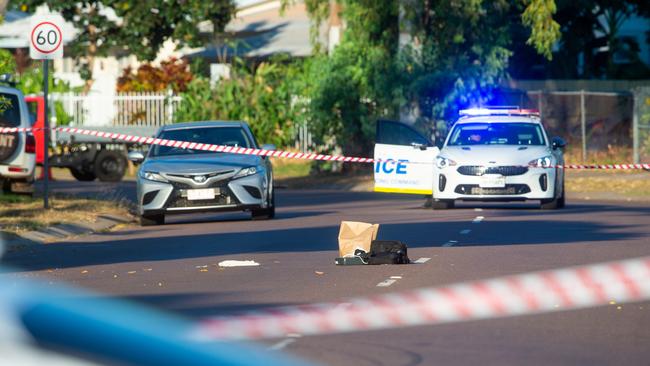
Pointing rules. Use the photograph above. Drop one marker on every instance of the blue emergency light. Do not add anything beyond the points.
(499, 111)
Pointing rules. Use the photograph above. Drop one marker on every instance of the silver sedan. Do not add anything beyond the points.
(175, 180)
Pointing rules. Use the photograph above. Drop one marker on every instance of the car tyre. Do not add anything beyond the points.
(82, 175)
(265, 213)
(554, 203)
(151, 220)
(562, 200)
(442, 204)
(110, 166)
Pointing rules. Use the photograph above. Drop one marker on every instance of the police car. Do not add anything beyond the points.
(17, 150)
(495, 154)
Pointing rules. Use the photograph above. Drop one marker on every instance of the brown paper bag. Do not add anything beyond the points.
(356, 235)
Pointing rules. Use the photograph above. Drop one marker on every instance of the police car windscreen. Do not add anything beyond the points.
(9, 110)
(467, 134)
(227, 136)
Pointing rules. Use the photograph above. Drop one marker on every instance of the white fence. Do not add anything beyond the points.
(121, 109)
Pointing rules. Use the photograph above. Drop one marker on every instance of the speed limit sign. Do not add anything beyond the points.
(46, 38)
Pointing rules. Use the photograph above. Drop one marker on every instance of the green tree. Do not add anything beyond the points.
(7, 62)
(139, 28)
(458, 52)
(266, 96)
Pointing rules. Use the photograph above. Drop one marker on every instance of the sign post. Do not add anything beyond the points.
(46, 43)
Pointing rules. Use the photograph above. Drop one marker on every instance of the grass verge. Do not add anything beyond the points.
(602, 184)
(19, 214)
(291, 168)
(613, 184)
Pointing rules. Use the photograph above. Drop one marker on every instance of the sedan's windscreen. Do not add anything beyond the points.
(9, 110)
(228, 136)
(482, 133)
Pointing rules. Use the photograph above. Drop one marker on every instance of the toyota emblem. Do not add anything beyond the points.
(200, 178)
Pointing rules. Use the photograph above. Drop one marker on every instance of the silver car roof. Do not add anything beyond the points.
(184, 125)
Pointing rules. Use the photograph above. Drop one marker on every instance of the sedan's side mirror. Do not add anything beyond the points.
(268, 147)
(558, 143)
(136, 157)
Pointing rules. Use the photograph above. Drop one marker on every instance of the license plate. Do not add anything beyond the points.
(492, 181)
(200, 194)
(497, 191)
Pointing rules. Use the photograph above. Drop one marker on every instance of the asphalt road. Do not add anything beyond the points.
(163, 267)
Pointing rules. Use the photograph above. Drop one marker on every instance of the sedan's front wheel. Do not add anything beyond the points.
(265, 213)
(150, 220)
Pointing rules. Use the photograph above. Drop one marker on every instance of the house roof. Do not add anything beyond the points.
(260, 30)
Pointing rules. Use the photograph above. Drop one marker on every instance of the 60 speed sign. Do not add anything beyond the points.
(46, 38)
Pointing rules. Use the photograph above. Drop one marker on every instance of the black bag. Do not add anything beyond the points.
(388, 252)
(360, 257)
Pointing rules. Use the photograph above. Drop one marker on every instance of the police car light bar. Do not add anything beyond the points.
(509, 111)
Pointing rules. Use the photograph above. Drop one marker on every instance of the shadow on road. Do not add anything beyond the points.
(202, 304)
(323, 238)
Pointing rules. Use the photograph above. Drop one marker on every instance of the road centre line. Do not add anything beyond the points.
(422, 260)
(386, 283)
(465, 232)
(291, 337)
(478, 209)
(478, 219)
(282, 344)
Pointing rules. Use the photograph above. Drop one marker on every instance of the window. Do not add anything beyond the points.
(228, 136)
(9, 110)
(497, 134)
(397, 133)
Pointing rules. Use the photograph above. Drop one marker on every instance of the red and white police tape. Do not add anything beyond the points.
(272, 153)
(532, 293)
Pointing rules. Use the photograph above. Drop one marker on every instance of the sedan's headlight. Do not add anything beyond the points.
(246, 172)
(444, 162)
(153, 176)
(544, 162)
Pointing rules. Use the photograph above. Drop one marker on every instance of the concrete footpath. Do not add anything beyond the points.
(62, 231)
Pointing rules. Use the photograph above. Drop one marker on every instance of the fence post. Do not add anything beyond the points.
(583, 125)
(635, 126)
(170, 106)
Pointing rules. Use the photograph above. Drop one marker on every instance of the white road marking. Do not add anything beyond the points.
(450, 243)
(465, 232)
(422, 260)
(386, 283)
(282, 344)
(396, 277)
(478, 209)
(478, 219)
(234, 263)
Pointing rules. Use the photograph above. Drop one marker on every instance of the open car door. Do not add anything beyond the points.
(406, 159)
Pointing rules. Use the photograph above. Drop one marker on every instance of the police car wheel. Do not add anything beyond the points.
(442, 204)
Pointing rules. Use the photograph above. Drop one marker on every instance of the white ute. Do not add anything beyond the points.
(17, 150)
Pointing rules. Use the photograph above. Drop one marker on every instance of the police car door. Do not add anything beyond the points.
(406, 159)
